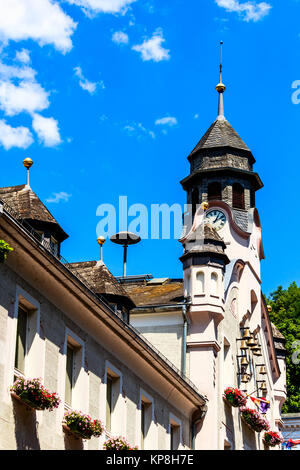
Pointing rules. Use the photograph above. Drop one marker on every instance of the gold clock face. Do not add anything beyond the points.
(216, 218)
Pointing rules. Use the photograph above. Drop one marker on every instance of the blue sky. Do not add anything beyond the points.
(108, 97)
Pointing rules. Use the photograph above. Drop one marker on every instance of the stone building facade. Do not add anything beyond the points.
(69, 308)
(149, 357)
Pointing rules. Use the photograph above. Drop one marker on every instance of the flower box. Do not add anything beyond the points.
(82, 425)
(33, 394)
(272, 439)
(235, 397)
(25, 401)
(254, 420)
(74, 432)
(118, 443)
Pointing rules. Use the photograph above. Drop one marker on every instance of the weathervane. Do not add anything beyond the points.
(221, 87)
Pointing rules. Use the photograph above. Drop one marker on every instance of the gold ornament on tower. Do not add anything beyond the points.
(204, 206)
(101, 240)
(27, 163)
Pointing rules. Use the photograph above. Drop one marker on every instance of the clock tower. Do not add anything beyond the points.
(221, 264)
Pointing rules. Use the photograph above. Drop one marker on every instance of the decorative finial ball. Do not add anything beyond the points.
(101, 240)
(269, 308)
(220, 88)
(27, 163)
(204, 206)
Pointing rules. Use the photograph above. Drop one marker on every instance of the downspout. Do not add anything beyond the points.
(187, 302)
(199, 416)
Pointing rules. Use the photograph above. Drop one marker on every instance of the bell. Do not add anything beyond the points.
(244, 361)
(251, 342)
(247, 334)
(262, 370)
(255, 348)
(257, 353)
(245, 379)
(263, 386)
(244, 345)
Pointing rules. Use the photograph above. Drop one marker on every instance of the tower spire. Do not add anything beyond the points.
(221, 88)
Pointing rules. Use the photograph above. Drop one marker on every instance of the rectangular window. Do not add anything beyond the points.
(143, 431)
(69, 375)
(114, 400)
(175, 433)
(109, 401)
(146, 420)
(21, 340)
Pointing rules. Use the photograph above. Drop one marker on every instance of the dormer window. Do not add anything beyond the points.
(54, 247)
(214, 192)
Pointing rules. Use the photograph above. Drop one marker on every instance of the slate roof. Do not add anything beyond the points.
(168, 293)
(100, 279)
(279, 340)
(220, 134)
(28, 206)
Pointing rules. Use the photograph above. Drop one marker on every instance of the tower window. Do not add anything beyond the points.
(214, 192)
(238, 196)
(214, 284)
(195, 201)
(200, 282)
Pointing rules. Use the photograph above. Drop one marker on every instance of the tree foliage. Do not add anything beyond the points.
(286, 316)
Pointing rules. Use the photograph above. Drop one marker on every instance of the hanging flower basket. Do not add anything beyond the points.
(82, 425)
(118, 443)
(235, 397)
(4, 250)
(33, 393)
(272, 439)
(255, 420)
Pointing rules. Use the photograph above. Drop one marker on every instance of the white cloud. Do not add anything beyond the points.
(85, 84)
(23, 56)
(138, 130)
(57, 197)
(151, 49)
(40, 20)
(120, 38)
(14, 136)
(166, 121)
(102, 6)
(47, 130)
(8, 72)
(28, 96)
(250, 11)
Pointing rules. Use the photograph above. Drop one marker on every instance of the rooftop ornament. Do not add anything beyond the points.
(28, 164)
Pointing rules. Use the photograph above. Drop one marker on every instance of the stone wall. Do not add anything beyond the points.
(24, 429)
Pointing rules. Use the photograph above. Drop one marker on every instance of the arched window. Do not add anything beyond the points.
(195, 201)
(200, 282)
(214, 192)
(214, 284)
(187, 285)
(238, 196)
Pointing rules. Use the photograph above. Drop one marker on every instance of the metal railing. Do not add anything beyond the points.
(44, 244)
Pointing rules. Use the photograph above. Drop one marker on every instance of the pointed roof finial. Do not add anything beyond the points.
(221, 88)
(28, 164)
